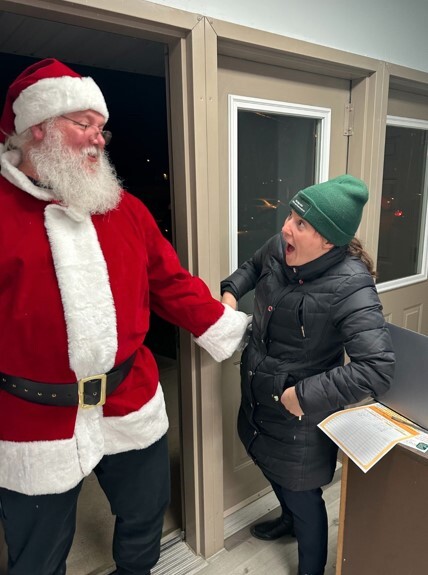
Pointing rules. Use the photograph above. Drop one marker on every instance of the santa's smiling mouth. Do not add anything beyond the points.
(91, 153)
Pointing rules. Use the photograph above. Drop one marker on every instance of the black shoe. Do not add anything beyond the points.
(274, 529)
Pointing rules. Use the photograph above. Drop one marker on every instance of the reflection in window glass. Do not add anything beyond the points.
(277, 157)
(403, 208)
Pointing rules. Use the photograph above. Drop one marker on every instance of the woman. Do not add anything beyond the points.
(315, 298)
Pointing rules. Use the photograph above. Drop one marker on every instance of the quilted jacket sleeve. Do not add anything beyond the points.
(244, 279)
(357, 314)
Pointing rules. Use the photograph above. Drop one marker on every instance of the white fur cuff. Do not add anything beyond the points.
(224, 337)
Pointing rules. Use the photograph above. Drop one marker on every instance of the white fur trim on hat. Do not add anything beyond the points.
(52, 97)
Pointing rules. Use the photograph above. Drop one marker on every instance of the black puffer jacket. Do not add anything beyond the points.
(304, 319)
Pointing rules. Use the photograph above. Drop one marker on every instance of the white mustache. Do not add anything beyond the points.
(91, 151)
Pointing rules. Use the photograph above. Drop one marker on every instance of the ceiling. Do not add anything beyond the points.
(34, 37)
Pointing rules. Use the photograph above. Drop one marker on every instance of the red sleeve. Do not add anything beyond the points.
(176, 295)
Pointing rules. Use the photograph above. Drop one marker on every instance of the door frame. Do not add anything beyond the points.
(194, 43)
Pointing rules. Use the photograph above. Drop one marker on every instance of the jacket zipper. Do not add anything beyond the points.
(300, 316)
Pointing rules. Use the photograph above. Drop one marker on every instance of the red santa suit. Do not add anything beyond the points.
(75, 299)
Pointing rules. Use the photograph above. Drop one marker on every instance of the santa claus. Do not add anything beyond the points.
(82, 264)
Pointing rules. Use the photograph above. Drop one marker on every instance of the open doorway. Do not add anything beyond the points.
(131, 73)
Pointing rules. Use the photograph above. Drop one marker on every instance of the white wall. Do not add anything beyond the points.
(391, 30)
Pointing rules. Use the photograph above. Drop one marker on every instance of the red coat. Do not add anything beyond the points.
(75, 300)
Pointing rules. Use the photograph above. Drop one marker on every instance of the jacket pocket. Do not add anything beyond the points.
(280, 382)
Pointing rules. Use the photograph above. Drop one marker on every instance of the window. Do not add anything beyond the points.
(277, 156)
(276, 149)
(402, 236)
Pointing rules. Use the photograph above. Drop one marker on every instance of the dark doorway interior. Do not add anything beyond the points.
(137, 104)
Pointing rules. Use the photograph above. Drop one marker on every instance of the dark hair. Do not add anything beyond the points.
(355, 248)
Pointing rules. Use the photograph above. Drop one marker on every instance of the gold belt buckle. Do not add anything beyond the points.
(81, 390)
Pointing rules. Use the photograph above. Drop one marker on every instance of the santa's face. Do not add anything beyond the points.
(83, 133)
(75, 166)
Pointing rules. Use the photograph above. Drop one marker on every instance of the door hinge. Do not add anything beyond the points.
(348, 124)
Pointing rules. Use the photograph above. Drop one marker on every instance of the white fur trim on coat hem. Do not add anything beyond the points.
(224, 337)
(42, 467)
(139, 429)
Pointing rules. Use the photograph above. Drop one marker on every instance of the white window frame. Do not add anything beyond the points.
(237, 103)
(382, 287)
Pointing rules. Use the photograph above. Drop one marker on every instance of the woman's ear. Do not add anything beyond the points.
(327, 245)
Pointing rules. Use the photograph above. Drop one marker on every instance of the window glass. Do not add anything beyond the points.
(401, 248)
(277, 154)
(277, 157)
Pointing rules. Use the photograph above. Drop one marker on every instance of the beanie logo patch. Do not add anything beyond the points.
(300, 206)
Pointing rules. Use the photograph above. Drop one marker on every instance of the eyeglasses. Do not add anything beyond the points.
(106, 134)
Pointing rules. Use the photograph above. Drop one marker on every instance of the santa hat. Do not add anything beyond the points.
(45, 90)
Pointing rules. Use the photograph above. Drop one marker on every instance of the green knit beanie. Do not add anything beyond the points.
(333, 208)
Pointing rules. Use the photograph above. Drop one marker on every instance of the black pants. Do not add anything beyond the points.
(310, 525)
(39, 529)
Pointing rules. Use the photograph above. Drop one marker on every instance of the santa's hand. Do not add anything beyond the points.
(290, 402)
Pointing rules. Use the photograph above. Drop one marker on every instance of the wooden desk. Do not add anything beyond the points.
(383, 517)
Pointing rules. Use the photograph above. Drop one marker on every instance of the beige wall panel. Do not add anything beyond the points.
(413, 105)
(401, 306)
(412, 318)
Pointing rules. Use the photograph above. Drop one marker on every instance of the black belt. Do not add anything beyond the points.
(87, 392)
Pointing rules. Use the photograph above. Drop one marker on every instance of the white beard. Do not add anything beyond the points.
(88, 190)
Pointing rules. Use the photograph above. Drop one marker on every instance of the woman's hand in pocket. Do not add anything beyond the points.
(290, 402)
